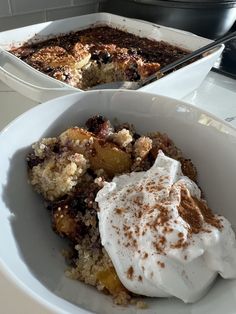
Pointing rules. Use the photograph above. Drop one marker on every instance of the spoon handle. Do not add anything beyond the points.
(188, 57)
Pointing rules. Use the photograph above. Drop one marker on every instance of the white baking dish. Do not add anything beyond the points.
(40, 87)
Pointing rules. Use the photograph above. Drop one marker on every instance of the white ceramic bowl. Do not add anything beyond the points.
(29, 250)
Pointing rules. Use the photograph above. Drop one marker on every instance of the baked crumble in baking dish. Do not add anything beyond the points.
(102, 54)
(69, 170)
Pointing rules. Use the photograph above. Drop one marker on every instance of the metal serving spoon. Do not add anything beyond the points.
(167, 68)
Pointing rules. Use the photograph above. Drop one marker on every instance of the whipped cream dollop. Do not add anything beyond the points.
(160, 235)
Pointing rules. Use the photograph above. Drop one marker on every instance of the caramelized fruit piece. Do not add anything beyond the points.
(69, 215)
(64, 222)
(104, 155)
(99, 126)
(109, 157)
(76, 133)
(109, 279)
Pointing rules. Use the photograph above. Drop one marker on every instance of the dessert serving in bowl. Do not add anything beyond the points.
(126, 201)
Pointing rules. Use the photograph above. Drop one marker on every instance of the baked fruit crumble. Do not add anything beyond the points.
(131, 209)
(102, 54)
(69, 170)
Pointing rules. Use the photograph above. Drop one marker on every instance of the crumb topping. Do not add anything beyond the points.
(122, 137)
(98, 55)
(56, 176)
(142, 146)
(69, 170)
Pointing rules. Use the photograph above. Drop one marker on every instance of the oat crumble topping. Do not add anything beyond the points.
(97, 55)
(69, 170)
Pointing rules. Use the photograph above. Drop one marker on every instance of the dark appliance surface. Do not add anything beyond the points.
(210, 19)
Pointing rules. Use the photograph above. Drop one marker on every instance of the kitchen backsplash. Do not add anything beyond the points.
(18, 13)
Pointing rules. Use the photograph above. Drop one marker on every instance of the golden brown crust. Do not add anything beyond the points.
(53, 57)
(98, 55)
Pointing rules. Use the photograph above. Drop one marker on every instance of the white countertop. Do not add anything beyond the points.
(217, 94)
